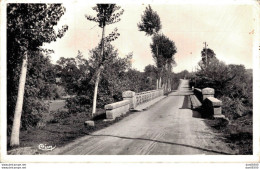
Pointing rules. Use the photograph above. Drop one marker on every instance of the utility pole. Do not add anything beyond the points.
(205, 43)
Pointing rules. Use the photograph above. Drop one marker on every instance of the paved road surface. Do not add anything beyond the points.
(168, 127)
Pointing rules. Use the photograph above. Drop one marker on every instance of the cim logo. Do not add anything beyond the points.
(46, 147)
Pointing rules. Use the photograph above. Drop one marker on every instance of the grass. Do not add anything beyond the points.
(238, 133)
(57, 104)
(59, 132)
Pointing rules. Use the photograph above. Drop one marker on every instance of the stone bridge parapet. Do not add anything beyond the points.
(130, 101)
(211, 105)
(117, 109)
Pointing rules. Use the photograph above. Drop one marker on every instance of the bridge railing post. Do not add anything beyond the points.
(207, 92)
(130, 95)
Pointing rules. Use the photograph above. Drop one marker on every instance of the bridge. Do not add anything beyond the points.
(169, 127)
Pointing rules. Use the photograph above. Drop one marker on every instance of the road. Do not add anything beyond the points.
(167, 128)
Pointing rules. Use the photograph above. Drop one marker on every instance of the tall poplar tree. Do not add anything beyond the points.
(28, 27)
(151, 25)
(106, 15)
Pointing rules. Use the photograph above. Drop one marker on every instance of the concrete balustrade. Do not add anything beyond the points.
(147, 96)
(130, 101)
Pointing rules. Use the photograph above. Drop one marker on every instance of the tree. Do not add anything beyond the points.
(150, 22)
(208, 55)
(112, 83)
(134, 80)
(105, 15)
(232, 85)
(113, 79)
(151, 25)
(28, 27)
(150, 76)
(164, 56)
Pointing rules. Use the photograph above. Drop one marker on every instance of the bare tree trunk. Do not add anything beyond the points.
(169, 84)
(157, 84)
(98, 73)
(165, 85)
(19, 104)
(95, 91)
(160, 82)
(169, 77)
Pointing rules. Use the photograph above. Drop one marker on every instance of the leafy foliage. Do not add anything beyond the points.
(118, 77)
(208, 56)
(105, 14)
(166, 50)
(150, 22)
(162, 47)
(40, 85)
(150, 77)
(232, 85)
(32, 24)
(28, 27)
(78, 104)
(112, 81)
(175, 78)
(71, 70)
(163, 50)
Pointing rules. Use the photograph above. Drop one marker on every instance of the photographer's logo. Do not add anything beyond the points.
(46, 147)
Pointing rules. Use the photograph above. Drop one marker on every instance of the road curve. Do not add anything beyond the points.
(167, 128)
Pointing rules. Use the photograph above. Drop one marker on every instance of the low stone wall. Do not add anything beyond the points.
(213, 107)
(207, 92)
(210, 104)
(117, 109)
(202, 94)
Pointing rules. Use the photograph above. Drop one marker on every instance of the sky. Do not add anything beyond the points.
(227, 29)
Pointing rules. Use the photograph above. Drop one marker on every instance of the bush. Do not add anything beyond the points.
(233, 108)
(33, 112)
(59, 92)
(175, 85)
(103, 100)
(79, 104)
(232, 84)
(219, 123)
(60, 115)
(52, 91)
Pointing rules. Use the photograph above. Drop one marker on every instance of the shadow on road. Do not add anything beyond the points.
(178, 94)
(196, 114)
(186, 103)
(163, 142)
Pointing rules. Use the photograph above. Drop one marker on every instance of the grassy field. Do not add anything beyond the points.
(57, 104)
(58, 132)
